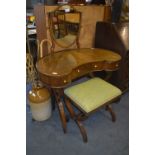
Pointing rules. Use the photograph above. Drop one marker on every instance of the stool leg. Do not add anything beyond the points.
(108, 107)
(76, 119)
(82, 117)
(118, 100)
(82, 130)
(33, 120)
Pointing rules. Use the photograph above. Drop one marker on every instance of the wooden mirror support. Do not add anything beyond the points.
(64, 26)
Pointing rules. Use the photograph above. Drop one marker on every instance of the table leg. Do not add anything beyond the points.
(53, 99)
(58, 96)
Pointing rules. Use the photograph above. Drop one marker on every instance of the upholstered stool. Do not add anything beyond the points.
(91, 95)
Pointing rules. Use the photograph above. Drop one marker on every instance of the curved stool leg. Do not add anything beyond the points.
(82, 117)
(108, 107)
(69, 108)
(82, 130)
(76, 119)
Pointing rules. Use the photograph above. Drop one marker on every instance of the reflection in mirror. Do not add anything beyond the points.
(64, 24)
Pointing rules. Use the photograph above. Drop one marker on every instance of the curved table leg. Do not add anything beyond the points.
(61, 109)
(62, 116)
(53, 99)
(69, 108)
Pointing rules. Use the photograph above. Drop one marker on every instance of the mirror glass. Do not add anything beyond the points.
(64, 24)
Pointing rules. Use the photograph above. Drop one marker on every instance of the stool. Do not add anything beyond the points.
(90, 96)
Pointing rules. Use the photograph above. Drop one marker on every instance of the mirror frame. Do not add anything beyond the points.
(52, 36)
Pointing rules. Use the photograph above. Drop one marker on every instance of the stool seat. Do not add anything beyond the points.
(92, 94)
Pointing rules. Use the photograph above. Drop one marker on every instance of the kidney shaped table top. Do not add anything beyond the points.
(60, 68)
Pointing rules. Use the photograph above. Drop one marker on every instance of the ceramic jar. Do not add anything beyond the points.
(40, 103)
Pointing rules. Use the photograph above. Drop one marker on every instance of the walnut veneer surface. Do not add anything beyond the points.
(58, 69)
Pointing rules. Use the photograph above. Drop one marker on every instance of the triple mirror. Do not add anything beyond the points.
(64, 25)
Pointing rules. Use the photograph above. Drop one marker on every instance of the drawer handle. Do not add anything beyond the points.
(117, 65)
(95, 66)
(65, 81)
(78, 70)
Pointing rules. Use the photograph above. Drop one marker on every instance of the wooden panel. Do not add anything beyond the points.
(90, 15)
(115, 37)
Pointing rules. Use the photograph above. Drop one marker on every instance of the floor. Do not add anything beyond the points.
(104, 136)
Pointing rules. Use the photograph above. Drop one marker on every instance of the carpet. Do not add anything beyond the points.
(104, 136)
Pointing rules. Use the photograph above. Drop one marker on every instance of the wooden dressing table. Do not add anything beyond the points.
(57, 70)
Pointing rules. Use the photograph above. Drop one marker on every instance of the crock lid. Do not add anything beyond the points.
(38, 95)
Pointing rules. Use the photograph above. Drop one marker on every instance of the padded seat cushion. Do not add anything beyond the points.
(92, 94)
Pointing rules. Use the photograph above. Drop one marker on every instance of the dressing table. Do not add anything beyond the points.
(59, 69)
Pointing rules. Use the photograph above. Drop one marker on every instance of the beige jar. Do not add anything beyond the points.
(40, 103)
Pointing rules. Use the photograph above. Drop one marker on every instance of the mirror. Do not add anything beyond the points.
(64, 25)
